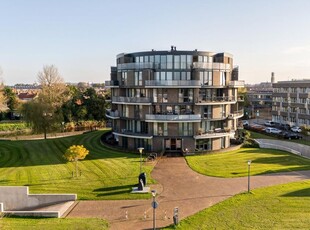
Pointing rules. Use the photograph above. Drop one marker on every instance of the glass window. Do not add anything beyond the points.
(177, 62)
(151, 58)
(177, 76)
(141, 58)
(157, 59)
(163, 62)
(169, 76)
(183, 61)
(200, 58)
(189, 61)
(146, 58)
(169, 62)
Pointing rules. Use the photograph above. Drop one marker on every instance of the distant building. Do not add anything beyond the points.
(291, 102)
(174, 101)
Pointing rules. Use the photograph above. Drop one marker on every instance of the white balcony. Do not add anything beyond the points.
(236, 84)
(211, 66)
(216, 133)
(111, 84)
(172, 118)
(172, 84)
(236, 114)
(131, 134)
(112, 114)
(132, 100)
(216, 100)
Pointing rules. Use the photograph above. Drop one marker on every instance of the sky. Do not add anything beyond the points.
(82, 37)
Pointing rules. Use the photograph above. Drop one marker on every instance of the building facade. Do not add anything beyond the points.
(174, 100)
(291, 102)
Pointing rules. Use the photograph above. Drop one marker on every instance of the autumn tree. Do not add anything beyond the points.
(75, 153)
(44, 112)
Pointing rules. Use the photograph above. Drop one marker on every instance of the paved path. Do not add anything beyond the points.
(179, 187)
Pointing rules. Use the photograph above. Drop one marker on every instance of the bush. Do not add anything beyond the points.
(250, 143)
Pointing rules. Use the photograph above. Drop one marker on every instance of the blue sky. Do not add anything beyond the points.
(83, 37)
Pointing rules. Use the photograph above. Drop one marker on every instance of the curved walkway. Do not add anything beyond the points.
(179, 187)
(292, 147)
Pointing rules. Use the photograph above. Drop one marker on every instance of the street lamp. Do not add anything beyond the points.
(249, 168)
(140, 151)
(154, 205)
(45, 116)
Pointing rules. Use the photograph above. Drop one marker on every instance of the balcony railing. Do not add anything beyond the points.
(173, 117)
(214, 100)
(112, 83)
(131, 99)
(169, 83)
(206, 65)
(218, 132)
(236, 84)
(236, 114)
(130, 133)
(112, 114)
(134, 65)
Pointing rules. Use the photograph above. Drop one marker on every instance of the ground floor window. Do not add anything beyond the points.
(173, 144)
(145, 143)
(204, 144)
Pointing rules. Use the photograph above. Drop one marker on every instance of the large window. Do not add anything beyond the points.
(138, 78)
(160, 95)
(186, 95)
(185, 129)
(205, 144)
(160, 129)
(206, 78)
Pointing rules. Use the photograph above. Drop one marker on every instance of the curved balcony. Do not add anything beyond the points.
(236, 114)
(236, 84)
(214, 118)
(132, 100)
(136, 66)
(112, 114)
(216, 100)
(111, 84)
(216, 133)
(172, 118)
(172, 84)
(131, 134)
(211, 66)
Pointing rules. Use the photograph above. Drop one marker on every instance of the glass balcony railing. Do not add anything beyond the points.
(132, 99)
(236, 84)
(236, 114)
(218, 132)
(111, 83)
(173, 117)
(207, 65)
(204, 100)
(112, 114)
(176, 83)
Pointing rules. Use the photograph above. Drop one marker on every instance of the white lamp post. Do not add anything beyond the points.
(154, 205)
(140, 151)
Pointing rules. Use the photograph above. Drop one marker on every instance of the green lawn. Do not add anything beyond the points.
(277, 207)
(106, 173)
(234, 163)
(52, 223)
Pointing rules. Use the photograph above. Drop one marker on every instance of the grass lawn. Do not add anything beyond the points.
(234, 163)
(277, 207)
(52, 223)
(105, 173)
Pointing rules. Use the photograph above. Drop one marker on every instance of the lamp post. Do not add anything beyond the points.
(140, 151)
(154, 205)
(249, 169)
(45, 116)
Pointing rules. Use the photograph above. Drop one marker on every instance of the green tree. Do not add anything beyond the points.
(11, 100)
(75, 153)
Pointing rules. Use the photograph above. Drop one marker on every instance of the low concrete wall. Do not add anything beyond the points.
(54, 214)
(295, 148)
(16, 198)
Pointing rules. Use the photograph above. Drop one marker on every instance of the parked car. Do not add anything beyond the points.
(289, 135)
(245, 122)
(269, 123)
(286, 127)
(296, 129)
(273, 130)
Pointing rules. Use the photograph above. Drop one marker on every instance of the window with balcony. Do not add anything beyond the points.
(160, 95)
(160, 129)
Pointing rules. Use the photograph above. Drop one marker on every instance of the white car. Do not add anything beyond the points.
(273, 130)
(269, 123)
(296, 129)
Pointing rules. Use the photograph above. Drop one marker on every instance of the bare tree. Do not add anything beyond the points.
(54, 91)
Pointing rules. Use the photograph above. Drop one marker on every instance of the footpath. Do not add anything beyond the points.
(178, 186)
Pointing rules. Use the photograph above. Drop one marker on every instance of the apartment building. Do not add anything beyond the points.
(174, 100)
(291, 102)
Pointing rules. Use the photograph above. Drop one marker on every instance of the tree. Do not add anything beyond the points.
(2, 97)
(75, 153)
(44, 112)
(11, 100)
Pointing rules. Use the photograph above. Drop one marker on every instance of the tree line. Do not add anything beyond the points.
(57, 105)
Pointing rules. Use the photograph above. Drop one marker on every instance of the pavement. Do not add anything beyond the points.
(178, 186)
